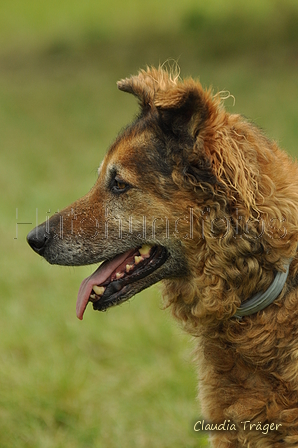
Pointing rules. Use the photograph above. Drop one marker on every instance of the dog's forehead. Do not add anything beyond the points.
(128, 152)
(129, 144)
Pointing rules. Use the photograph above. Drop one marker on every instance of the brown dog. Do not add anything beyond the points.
(200, 199)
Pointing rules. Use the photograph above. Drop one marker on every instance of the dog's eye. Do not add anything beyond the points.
(119, 186)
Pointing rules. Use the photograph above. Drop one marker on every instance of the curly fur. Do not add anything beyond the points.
(248, 369)
(185, 152)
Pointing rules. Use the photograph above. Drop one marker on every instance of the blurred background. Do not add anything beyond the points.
(124, 378)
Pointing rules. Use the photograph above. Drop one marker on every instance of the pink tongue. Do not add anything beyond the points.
(99, 276)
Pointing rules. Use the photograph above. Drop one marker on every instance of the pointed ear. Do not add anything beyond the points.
(179, 104)
(183, 108)
(183, 112)
(146, 84)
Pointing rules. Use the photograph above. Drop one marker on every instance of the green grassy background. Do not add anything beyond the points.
(122, 378)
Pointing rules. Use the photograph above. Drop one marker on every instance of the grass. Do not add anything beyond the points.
(125, 377)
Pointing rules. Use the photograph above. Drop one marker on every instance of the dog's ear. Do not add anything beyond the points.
(178, 104)
(181, 109)
(145, 85)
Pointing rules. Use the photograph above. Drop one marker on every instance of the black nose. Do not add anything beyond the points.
(38, 239)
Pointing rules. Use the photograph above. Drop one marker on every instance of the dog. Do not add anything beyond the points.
(198, 198)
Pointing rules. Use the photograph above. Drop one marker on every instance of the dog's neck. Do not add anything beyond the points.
(262, 299)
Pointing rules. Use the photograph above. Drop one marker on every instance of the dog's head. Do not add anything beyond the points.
(166, 194)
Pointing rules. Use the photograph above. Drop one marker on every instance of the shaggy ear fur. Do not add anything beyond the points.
(146, 84)
(177, 103)
(182, 109)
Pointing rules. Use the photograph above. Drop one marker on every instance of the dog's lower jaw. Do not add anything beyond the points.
(134, 279)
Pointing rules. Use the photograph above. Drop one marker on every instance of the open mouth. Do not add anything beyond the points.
(114, 281)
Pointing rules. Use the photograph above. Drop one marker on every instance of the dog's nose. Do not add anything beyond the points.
(38, 239)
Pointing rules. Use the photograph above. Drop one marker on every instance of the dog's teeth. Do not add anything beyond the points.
(93, 298)
(99, 290)
(138, 259)
(119, 275)
(128, 267)
(145, 249)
